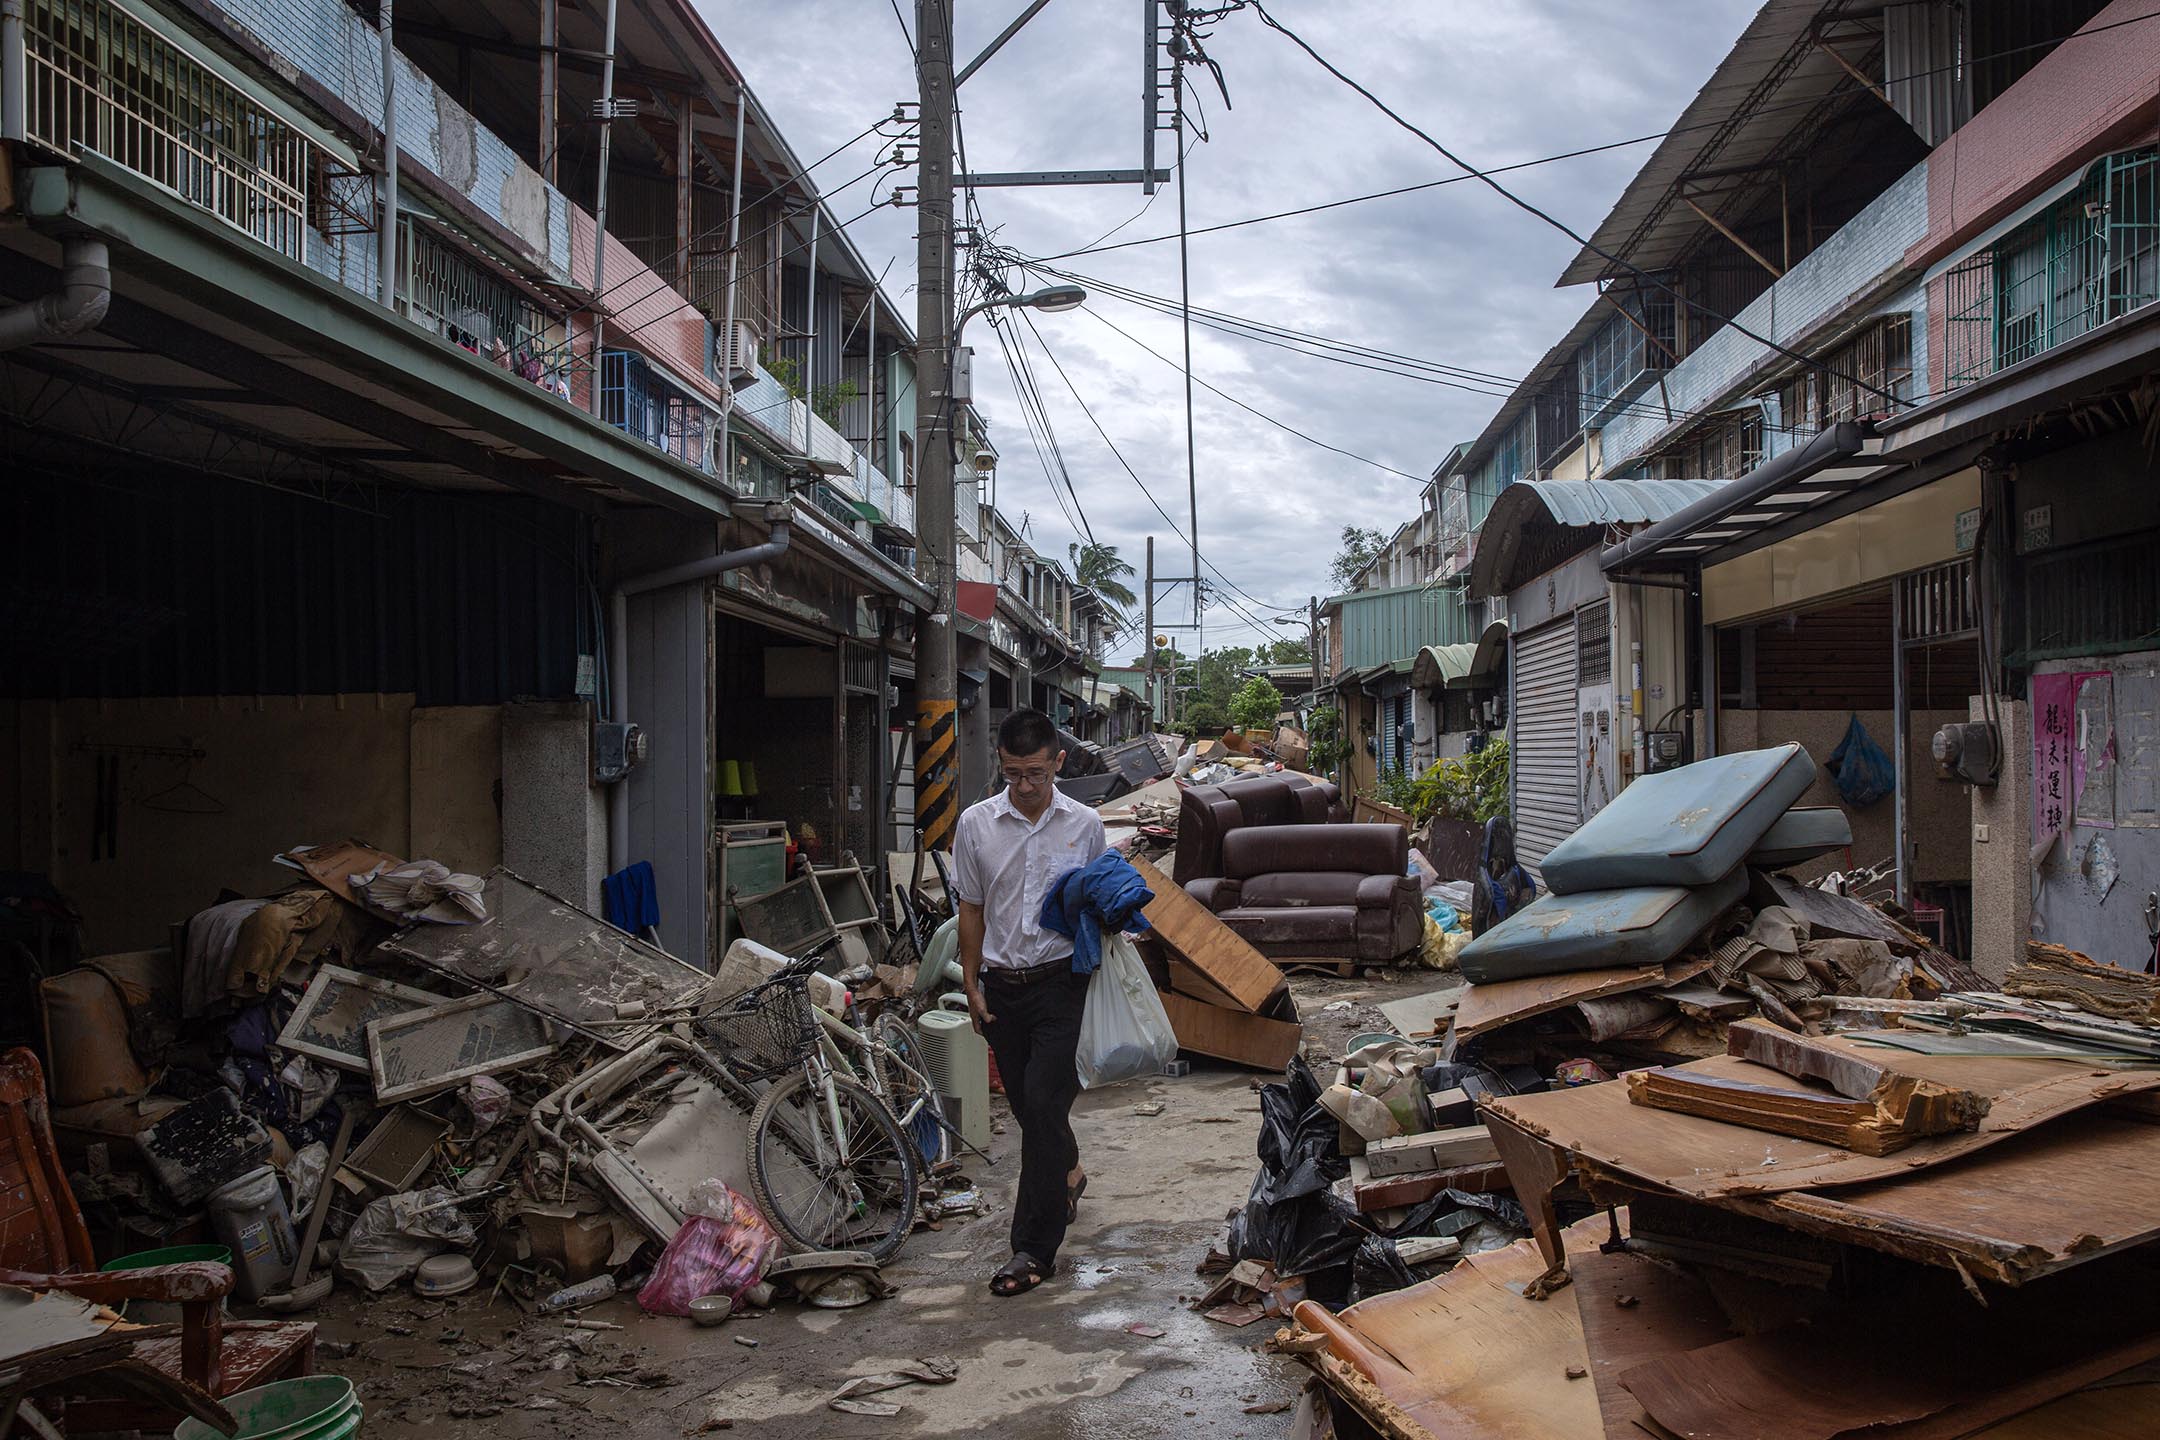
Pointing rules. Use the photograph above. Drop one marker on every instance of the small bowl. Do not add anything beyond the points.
(711, 1309)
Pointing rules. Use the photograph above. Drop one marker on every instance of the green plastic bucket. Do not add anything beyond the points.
(314, 1407)
(159, 1312)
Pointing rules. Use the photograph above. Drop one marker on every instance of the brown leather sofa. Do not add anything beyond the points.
(1207, 813)
(1319, 891)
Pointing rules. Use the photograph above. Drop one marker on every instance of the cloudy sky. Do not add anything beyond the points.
(1452, 274)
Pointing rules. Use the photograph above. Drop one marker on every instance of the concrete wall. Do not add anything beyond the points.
(2073, 902)
(2002, 864)
(274, 773)
(1939, 812)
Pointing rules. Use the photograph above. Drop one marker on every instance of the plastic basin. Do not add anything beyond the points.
(314, 1407)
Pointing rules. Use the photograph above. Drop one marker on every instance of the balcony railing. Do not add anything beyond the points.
(2091, 257)
(98, 79)
(639, 401)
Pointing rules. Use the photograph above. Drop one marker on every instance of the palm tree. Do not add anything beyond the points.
(1098, 567)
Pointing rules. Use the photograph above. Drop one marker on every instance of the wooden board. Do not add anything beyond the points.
(1424, 1015)
(1634, 1310)
(1465, 1355)
(1189, 932)
(1233, 1035)
(1432, 1150)
(2080, 1189)
(1708, 1159)
(1897, 1113)
(1488, 1007)
(1925, 1363)
(1187, 981)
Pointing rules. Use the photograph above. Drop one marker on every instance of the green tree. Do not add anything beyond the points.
(1360, 547)
(1098, 567)
(1256, 703)
(1297, 651)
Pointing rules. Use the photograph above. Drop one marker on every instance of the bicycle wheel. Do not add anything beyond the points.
(850, 1190)
(914, 1099)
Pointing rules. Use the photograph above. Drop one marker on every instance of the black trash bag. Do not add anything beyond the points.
(1378, 1268)
(1292, 1219)
(1436, 1078)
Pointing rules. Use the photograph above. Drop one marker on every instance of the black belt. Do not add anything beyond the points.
(1029, 975)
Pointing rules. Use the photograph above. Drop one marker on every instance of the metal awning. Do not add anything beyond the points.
(1440, 665)
(1486, 660)
(1536, 524)
(1757, 508)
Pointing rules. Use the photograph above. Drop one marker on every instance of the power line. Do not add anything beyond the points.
(1128, 469)
(1260, 414)
(1098, 247)
(1042, 411)
(1512, 198)
(1036, 431)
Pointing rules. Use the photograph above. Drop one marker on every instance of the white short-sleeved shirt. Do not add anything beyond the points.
(1006, 865)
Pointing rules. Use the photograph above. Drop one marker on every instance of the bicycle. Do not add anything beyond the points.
(830, 1163)
(888, 1061)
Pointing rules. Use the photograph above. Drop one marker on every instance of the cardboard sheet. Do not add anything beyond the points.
(1488, 1007)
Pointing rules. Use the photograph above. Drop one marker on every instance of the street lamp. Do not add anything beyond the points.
(1050, 300)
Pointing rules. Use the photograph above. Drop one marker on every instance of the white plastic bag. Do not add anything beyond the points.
(1124, 1030)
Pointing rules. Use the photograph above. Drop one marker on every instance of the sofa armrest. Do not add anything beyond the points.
(1379, 891)
(1216, 893)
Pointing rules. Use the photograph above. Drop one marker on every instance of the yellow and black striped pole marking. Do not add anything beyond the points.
(937, 799)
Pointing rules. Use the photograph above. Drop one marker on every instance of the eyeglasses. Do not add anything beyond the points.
(1026, 777)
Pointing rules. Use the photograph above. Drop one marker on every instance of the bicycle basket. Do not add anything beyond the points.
(768, 1030)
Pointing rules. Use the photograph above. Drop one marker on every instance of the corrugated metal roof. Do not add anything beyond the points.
(1530, 509)
(1380, 627)
(1730, 124)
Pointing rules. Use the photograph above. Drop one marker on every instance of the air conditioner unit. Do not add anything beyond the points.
(737, 353)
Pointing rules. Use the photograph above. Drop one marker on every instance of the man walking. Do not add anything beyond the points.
(1008, 853)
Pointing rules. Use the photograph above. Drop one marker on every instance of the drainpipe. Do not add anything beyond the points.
(76, 306)
(386, 238)
(775, 545)
(14, 105)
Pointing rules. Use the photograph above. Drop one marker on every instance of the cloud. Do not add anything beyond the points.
(1453, 274)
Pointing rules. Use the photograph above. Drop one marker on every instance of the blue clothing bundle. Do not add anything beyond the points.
(1106, 894)
(631, 898)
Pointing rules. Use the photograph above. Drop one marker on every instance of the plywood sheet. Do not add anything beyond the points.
(1233, 1035)
(1708, 1159)
(2077, 1190)
(1957, 1364)
(1191, 933)
(1635, 1310)
(1424, 1015)
(1467, 1357)
(1488, 1007)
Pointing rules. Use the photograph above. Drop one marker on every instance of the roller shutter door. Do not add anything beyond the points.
(1544, 739)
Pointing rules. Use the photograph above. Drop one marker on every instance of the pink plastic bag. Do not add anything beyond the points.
(722, 1249)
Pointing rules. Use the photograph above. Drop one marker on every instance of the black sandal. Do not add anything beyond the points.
(1021, 1274)
(1072, 1198)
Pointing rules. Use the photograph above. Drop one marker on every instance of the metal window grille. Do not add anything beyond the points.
(637, 400)
(99, 79)
(2091, 257)
(1593, 644)
(1858, 372)
(1620, 350)
(1938, 604)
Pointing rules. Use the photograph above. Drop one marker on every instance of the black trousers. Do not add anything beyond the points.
(1035, 1032)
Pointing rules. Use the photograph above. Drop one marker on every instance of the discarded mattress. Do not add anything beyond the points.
(1800, 835)
(1598, 930)
(1688, 826)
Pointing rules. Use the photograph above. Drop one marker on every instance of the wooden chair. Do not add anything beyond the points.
(44, 1246)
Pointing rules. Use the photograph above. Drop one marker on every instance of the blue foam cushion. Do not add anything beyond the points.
(1598, 930)
(1688, 826)
(1801, 834)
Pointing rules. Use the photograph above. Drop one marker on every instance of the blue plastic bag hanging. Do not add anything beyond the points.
(1865, 774)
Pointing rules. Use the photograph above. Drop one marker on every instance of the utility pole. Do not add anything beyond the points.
(1147, 625)
(1312, 642)
(937, 808)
